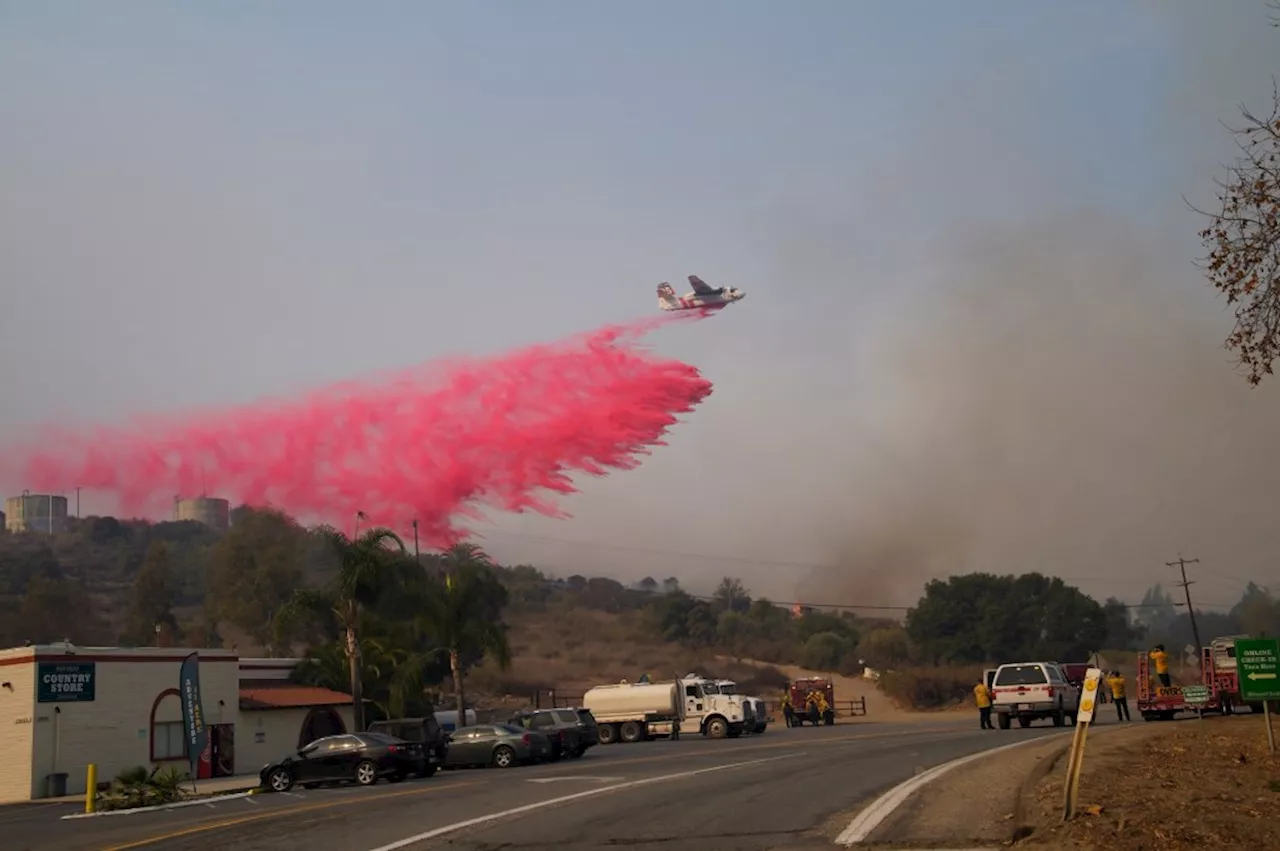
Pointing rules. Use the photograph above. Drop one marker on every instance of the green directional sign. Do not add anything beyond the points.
(1195, 695)
(1257, 663)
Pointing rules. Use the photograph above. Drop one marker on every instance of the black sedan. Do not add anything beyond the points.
(360, 758)
(501, 745)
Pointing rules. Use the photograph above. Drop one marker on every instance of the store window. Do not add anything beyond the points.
(168, 740)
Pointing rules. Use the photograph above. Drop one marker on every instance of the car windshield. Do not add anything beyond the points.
(1020, 675)
(728, 688)
(710, 688)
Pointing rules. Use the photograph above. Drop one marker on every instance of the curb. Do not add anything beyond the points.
(206, 799)
(1021, 829)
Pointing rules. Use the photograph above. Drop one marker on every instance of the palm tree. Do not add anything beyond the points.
(393, 678)
(462, 555)
(464, 615)
(369, 568)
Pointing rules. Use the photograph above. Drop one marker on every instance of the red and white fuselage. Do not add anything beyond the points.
(703, 297)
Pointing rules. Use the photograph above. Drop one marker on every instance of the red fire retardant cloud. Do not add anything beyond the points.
(432, 443)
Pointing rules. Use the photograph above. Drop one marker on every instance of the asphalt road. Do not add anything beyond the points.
(786, 789)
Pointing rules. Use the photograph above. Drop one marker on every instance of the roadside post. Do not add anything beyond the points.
(1084, 717)
(1258, 665)
(91, 788)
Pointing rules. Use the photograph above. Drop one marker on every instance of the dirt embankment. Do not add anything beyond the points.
(879, 706)
(1170, 786)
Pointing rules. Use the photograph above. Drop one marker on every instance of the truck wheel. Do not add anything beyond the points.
(1003, 720)
(829, 718)
(631, 732)
(1058, 718)
(1024, 722)
(608, 734)
(717, 728)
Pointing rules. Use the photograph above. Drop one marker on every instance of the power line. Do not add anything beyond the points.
(1186, 588)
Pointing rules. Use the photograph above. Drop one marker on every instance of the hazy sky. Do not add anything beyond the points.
(974, 338)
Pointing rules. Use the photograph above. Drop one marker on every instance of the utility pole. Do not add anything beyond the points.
(1181, 564)
(416, 555)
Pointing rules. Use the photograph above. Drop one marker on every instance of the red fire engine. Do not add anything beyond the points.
(800, 691)
(1217, 674)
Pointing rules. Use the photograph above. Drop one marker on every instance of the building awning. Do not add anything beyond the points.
(291, 697)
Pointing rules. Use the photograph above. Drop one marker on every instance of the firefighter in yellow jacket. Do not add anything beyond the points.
(1116, 683)
(823, 706)
(983, 698)
(1160, 659)
(811, 707)
(788, 711)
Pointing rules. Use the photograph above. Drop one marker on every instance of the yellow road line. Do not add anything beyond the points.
(278, 813)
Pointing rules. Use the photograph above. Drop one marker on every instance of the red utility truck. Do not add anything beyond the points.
(800, 691)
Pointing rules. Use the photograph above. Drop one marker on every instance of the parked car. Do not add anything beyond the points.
(568, 735)
(361, 758)
(423, 731)
(501, 745)
(590, 729)
(1028, 691)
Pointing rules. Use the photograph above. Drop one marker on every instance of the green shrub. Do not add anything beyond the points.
(930, 688)
(136, 787)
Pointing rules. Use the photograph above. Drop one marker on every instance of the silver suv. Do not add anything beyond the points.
(1029, 691)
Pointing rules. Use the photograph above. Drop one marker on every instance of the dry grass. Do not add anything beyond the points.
(931, 688)
(1190, 784)
(571, 649)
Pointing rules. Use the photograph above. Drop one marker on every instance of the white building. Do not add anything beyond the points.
(63, 707)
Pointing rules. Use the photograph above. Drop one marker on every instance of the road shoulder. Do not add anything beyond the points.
(975, 805)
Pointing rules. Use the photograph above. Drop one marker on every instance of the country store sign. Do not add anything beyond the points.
(58, 682)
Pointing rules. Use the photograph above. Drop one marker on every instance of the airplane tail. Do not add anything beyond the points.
(667, 297)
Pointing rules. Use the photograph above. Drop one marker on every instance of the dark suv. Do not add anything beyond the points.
(591, 730)
(569, 736)
(426, 732)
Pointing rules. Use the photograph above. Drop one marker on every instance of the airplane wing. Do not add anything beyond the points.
(700, 286)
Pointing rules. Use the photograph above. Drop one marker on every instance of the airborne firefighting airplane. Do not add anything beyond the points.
(703, 297)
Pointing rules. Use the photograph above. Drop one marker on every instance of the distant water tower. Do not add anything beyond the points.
(212, 512)
(36, 512)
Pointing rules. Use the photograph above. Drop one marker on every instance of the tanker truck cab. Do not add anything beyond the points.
(716, 715)
(754, 708)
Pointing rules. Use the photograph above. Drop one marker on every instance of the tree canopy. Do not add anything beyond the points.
(984, 618)
(1242, 240)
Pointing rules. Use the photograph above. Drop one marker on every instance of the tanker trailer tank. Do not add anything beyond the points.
(635, 712)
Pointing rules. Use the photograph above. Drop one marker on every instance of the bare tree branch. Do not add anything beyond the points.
(1243, 240)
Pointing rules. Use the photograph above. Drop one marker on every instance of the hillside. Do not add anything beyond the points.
(569, 650)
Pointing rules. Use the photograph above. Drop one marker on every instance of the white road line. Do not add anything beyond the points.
(587, 777)
(883, 807)
(174, 806)
(527, 808)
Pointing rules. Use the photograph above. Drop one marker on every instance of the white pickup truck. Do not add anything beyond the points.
(1028, 691)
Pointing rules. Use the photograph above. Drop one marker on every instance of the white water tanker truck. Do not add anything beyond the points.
(635, 712)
